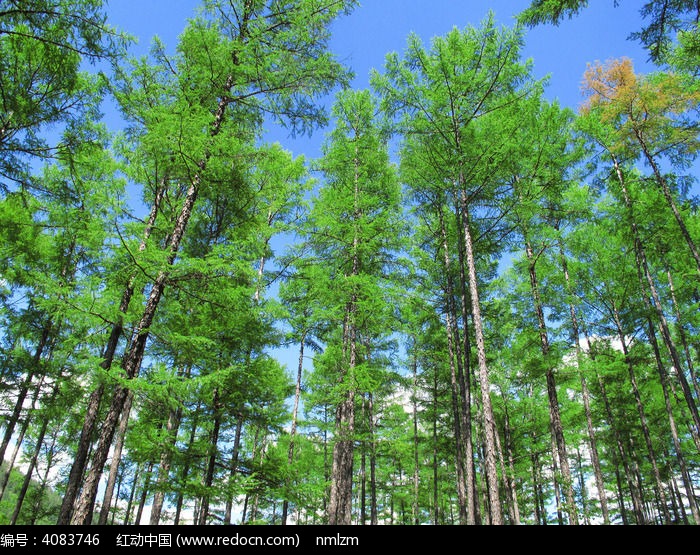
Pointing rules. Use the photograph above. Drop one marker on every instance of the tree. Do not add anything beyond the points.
(653, 118)
(447, 98)
(216, 84)
(356, 222)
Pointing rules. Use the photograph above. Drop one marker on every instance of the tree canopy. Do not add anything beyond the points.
(491, 299)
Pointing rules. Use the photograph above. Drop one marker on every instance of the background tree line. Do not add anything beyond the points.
(498, 295)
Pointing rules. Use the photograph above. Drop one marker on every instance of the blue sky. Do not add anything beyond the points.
(377, 27)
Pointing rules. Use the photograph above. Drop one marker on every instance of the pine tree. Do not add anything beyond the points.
(356, 223)
(449, 99)
(215, 84)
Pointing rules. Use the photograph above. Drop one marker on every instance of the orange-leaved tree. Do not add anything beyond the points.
(652, 117)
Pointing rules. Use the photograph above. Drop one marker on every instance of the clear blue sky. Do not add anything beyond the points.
(377, 27)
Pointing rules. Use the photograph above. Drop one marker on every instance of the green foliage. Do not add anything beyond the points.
(359, 256)
(42, 44)
(41, 505)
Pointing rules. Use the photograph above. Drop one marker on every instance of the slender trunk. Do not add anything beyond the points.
(416, 467)
(131, 365)
(621, 497)
(663, 185)
(295, 410)
(11, 462)
(79, 464)
(184, 475)
(259, 447)
(172, 426)
(509, 477)
(670, 344)
(436, 498)
(20, 439)
(32, 463)
(644, 273)
(465, 380)
(144, 493)
(120, 483)
(451, 332)
(683, 337)
(554, 414)
(340, 502)
(374, 519)
(132, 362)
(234, 468)
(556, 479)
(642, 418)
(585, 393)
(116, 459)
(36, 509)
(506, 481)
(496, 514)
(680, 457)
(77, 471)
(540, 513)
(363, 482)
(678, 506)
(624, 458)
(582, 487)
(132, 494)
(211, 462)
(24, 390)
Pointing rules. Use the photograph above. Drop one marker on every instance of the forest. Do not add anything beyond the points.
(491, 299)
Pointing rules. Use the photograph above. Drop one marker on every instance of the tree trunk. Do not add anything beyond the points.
(642, 419)
(116, 459)
(131, 365)
(363, 484)
(144, 493)
(465, 383)
(509, 477)
(372, 467)
(340, 502)
(19, 440)
(436, 498)
(234, 468)
(454, 358)
(416, 461)
(644, 273)
(132, 494)
(163, 478)
(496, 513)
(36, 510)
(585, 393)
(211, 462)
(683, 337)
(79, 464)
(186, 466)
(295, 410)
(554, 415)
(538, 502)
(32, 463)
(685, 474)
(624, 458)
(582, 487)
(24, 390)
(663, 185)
